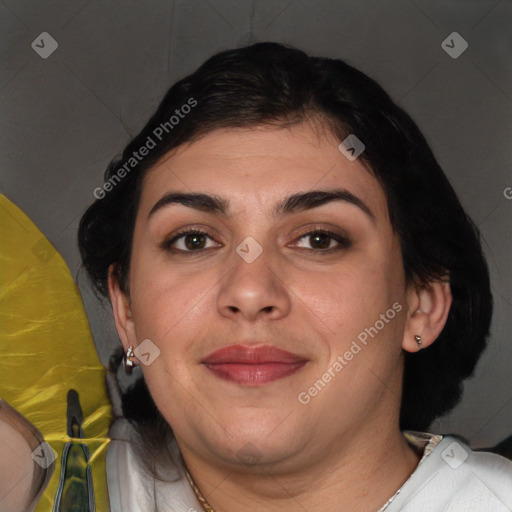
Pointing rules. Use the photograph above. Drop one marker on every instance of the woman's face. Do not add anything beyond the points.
(254, 281)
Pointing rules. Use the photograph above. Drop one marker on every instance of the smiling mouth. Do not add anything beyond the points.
(254, 374)
(253, 366)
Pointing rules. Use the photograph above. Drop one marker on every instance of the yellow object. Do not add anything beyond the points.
(47, 348)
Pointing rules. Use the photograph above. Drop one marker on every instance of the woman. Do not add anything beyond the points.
(296, 278)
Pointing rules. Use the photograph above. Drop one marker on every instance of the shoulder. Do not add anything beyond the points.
(486, 476)
(129, 487)
(133, 489)
(454, 478)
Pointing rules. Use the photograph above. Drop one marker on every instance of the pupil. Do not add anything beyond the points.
(320, 236)
(196, 243)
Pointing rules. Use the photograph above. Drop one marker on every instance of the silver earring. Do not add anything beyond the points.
(128, 363)
(418, 341)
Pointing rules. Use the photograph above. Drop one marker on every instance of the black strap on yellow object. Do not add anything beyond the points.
(75, 492)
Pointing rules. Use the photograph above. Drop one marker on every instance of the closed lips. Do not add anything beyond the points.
(253, 366)
(252, 355)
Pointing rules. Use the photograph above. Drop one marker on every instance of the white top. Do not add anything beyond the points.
(449, 478)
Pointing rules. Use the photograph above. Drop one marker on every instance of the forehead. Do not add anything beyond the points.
(254, 167)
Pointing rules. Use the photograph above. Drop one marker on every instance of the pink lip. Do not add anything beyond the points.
(253, 366)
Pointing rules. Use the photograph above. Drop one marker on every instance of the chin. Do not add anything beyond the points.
(256, 444)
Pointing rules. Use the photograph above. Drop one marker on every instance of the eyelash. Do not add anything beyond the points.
(344, 242)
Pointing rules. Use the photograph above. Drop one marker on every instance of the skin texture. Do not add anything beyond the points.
(16, 470)
(260, 448)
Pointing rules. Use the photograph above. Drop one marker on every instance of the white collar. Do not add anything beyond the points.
(132, 489)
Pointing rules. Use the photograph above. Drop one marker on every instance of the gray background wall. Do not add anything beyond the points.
(66, 116)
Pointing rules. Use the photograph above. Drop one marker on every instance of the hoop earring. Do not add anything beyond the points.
(418, 341)
(128, 363)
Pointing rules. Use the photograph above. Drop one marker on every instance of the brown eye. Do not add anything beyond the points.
(321, 240)
(193, 240)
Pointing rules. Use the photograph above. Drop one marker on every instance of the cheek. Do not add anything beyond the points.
(363, 300)
(162, 308)
(347, 294)
(169, 305)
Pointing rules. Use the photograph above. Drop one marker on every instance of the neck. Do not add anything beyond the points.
(361, 475)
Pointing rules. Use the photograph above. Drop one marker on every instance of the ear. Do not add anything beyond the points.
(123, 318)
(428, 306)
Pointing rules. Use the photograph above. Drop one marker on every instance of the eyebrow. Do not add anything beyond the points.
(211, 203)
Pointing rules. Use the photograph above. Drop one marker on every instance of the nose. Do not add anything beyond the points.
(255, 290)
